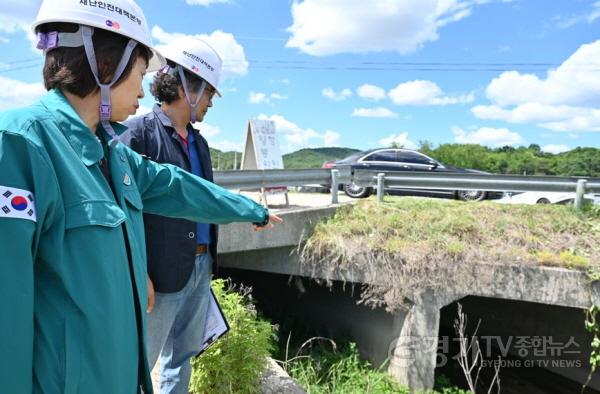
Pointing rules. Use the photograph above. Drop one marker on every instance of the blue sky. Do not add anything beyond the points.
(363, 74)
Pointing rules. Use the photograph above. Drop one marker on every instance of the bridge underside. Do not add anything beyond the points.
(533, 299)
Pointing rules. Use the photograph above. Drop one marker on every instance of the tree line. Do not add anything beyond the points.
(530, 160)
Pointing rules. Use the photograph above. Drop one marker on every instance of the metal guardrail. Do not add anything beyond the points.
(256, 179)
(466, 181)
(484, 182)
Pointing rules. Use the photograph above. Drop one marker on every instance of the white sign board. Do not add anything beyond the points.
(261, 150)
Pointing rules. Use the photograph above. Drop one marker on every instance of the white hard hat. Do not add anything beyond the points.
(198, 57)
(123, 17)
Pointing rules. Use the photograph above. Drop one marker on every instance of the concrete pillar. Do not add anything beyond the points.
(413, 355)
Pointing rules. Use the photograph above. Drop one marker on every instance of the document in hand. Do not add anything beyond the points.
(216, 324)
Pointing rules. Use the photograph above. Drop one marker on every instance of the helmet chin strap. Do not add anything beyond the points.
(188, 97)
(105, 104)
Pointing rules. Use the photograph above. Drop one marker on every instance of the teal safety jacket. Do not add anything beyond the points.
(72, 253)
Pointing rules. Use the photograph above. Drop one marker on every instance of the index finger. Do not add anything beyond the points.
(275, 219)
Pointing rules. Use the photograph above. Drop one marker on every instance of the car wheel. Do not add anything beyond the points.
(543, 201)
(355, 191)
(471, 195)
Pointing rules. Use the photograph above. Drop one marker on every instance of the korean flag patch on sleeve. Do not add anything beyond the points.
(17, 204)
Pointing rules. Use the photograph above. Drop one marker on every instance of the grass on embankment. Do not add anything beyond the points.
(424, 242)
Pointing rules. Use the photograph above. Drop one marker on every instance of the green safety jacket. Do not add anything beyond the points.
(72, 252)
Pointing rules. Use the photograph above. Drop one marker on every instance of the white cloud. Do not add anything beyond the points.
(328, 27)
(552, 117)
(379, 112)
(341, 96)
(264, 98)
(420, 92)
(371, 92)
(330, 138)
(487, 136)
(207, 130)
(212, 134)
(574, 82)
(232, 53)
(15, 94)
(297, 137)
(400, 140)
(277, 96)
(566, 100)
(590, 17)
(225, 146)
(551, 148)
(17, 17)
(206, 3)
(257, 98)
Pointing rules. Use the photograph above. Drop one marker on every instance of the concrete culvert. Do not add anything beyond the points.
(540, 348)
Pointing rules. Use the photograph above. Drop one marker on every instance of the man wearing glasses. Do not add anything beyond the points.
(181, 254)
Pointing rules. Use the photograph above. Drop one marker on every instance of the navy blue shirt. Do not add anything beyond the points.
(203, 229)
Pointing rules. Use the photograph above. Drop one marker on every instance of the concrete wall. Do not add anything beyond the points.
(297, 226)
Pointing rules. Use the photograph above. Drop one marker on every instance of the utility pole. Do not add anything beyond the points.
(235, 160)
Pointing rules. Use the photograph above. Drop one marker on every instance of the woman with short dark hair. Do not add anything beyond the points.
(73, 270)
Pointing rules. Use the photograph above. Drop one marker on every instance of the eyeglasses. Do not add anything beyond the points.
(211, 92)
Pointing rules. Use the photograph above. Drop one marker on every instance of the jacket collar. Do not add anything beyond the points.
(160, 114)
(166, 121)
(85, 144)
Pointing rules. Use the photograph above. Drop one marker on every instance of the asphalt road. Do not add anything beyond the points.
(298, 200)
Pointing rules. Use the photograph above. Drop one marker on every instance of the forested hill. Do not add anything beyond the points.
(304, 158)
(314, 158)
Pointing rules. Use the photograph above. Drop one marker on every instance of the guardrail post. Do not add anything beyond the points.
(380, 180)
(334, 186)
(579, 193)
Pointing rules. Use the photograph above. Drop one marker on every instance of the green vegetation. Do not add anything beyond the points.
(235, 363)
(505, 160)
(314, 158)
(522, 160)
(413, 242)
(592, 325)
(224, 160)
(592, 322)
(304, 158)
(327, 371)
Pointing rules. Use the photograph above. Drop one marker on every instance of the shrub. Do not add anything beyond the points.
(235, 363)
(327, 371)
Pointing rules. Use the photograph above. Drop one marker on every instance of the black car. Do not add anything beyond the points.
(391, 159)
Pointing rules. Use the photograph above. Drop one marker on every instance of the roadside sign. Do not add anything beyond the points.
(262, 152)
